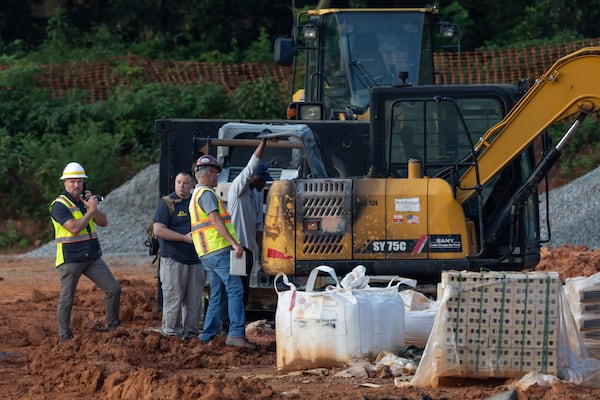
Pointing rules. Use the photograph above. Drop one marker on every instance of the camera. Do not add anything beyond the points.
(98, 196)
(85, 195)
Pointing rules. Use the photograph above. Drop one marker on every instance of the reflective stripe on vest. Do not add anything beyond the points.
(62, 235)
(205, 236)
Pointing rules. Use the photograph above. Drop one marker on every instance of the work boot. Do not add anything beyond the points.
(67, 338)
(111, 327)
(239, 342)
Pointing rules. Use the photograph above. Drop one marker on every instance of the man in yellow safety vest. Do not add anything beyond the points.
(214, 238)
(75, 214)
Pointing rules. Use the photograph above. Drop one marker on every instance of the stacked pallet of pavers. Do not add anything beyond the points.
(583, 295)
(500, 324)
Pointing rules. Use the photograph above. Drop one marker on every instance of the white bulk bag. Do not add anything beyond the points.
(336, 326)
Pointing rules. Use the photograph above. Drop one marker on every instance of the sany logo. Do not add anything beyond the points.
(444, 240)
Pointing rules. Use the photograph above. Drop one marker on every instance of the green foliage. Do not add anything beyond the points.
(60, 33)
(559, 38)
(12, 237)
(35, 164)
(188, 30)
(112, 139)
(458, 15)
(166, 46)
(66, 42)
(582, 152)
(260, 100)
(261, 49)
(217, 56)
(205, 101)
(548, 18)
(85, 143)
(13, 50)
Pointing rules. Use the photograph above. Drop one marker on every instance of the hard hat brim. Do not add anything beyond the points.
(73, 176)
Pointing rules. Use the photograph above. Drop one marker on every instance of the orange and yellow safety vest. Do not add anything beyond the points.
(205, 236)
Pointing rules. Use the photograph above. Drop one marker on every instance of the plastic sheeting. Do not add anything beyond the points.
(583, 294)
(495, 324)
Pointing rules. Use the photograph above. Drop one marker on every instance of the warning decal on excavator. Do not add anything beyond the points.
(412, 204)
(432, 243)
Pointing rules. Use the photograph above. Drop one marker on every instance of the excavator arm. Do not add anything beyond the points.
(570, 87)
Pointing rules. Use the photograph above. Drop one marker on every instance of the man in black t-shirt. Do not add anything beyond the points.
(181, 274)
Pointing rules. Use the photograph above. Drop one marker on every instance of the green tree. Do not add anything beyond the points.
(163, 28)
(547, 19)
(528, 22)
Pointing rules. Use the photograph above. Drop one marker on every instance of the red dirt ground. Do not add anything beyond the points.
(131, 363)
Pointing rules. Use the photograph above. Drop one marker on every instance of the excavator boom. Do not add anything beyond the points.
(568, 88)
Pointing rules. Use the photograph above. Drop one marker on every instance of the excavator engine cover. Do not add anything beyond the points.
(353, 221)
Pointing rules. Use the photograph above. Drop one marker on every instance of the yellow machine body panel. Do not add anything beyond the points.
(279, 234)
(408, 219)
(369, 216)
(450, 235)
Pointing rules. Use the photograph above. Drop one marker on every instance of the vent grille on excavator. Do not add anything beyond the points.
(326, 205)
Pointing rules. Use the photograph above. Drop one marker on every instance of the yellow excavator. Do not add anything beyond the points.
(444, 190)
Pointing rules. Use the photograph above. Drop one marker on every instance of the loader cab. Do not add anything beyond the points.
(346, 52)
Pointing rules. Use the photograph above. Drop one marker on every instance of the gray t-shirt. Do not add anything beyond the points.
(208, 202)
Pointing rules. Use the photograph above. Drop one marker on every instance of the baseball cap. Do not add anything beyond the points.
(263, 172)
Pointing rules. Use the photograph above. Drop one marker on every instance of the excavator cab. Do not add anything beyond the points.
(349, 51)
(438, 126)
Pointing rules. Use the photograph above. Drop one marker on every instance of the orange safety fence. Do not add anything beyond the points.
(503, 65)
(95, 80)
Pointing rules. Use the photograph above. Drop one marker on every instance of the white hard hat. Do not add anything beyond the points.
(73, 170)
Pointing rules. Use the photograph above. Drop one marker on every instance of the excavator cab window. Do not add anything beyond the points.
(439, 133)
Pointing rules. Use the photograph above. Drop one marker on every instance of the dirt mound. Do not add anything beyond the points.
(570, 261)
(132, 363)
